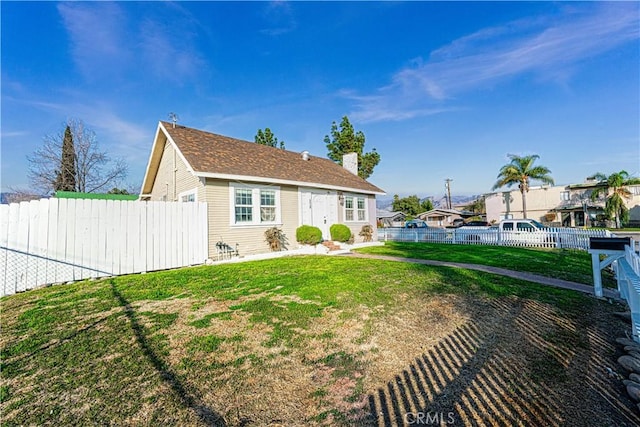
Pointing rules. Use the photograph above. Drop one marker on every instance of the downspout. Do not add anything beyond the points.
(175, 172)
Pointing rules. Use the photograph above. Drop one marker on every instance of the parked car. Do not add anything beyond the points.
(512, 231)
(458, 222)
(476, 224)
(415, 223)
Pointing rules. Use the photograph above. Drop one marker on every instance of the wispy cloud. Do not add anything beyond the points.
(280, 18)
(96, 30)
(549, 47)
(104, 42)
(168, 55)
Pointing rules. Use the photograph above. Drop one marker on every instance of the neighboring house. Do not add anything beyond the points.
(441, 217)
(250, 188)
(390, 219)
(565, 205)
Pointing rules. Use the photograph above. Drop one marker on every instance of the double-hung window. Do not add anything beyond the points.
(253, 205)
(243, 205)
(267, 205)
(355, 208)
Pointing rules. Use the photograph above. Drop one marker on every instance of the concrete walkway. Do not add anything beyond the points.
(530, 277)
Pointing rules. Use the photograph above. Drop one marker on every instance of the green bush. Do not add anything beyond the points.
(308, 235)
(340, 233)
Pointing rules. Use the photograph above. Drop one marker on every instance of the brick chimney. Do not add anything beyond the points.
(350, 162)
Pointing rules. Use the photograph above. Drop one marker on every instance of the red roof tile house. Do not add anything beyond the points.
(250, 188)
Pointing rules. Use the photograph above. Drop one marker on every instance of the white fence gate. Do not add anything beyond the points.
(59, 240)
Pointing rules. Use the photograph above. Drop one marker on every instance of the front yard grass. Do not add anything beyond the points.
(309, 340)
(566, 264)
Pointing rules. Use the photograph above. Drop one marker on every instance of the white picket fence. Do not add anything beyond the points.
(565, 238)
(59, 240)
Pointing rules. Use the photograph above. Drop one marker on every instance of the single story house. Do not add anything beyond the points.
(390, 219)
(250, 187)
(441, 217)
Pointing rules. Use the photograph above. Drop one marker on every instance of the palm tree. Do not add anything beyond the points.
(520, 170)
(615, 191)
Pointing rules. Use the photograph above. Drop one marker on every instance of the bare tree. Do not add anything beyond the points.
(95, 170)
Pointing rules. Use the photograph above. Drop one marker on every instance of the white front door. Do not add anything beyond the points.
(319, 209)
(319, 212)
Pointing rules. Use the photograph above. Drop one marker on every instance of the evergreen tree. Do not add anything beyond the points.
(66, 175)
(345, 141)
(72, 161)
(268, 138)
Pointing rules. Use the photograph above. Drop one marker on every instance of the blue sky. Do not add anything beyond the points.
(440, 89)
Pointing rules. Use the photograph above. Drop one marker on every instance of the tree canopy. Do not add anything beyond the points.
(267, 137)
(72, 161)
(521, 170)
(411, 205)
(614, 188)
(345, 140)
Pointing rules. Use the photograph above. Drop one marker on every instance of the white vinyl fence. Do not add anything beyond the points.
(628, 276)
(566, 238)
(59, 240)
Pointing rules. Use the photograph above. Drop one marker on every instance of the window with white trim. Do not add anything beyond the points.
(355, 208)
(564, 196)
(188, 196)
(254, 205)
(267, 205)
(243, 205)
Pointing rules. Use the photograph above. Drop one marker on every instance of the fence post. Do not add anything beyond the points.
(597, 278)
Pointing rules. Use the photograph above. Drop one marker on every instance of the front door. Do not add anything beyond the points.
(319, 213)
(320, 209)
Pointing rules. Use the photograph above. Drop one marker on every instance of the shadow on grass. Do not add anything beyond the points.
(474, 377)
(204, 413)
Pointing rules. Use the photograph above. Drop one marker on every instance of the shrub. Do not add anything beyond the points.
(308, 235)
(340, 233)
(275, 238)
(367, 233)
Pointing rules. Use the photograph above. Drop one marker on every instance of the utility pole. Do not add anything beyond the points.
(447, 185)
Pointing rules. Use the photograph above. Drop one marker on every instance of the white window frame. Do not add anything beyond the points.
(193, 192)
(256, 205)
(365, 210)
(565, 196)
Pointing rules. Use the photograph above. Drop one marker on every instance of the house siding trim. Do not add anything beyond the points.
(259, 179)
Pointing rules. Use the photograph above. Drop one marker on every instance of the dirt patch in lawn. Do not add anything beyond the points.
(463, 360)
(441, 359)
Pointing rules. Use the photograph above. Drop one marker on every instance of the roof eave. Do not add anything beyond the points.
(232, 177)
(156, 156)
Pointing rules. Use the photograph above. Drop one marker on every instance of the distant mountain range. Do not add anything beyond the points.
(385, 204)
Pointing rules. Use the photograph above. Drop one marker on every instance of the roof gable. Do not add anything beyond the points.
(210, 155)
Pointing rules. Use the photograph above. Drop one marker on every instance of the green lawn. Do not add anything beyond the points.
(298, 341)
(572, 265)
